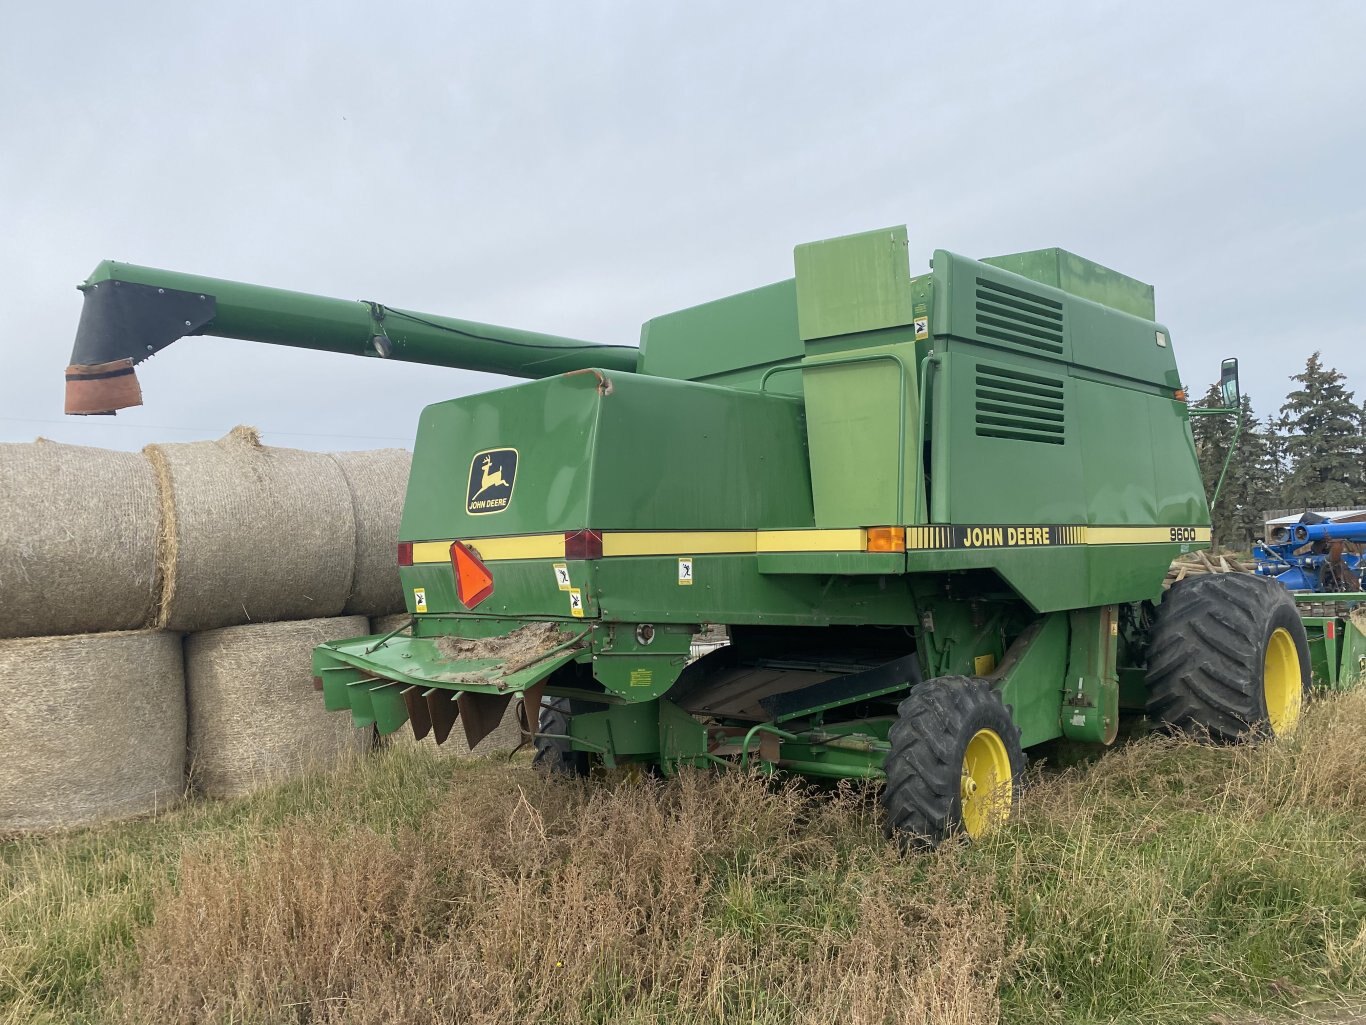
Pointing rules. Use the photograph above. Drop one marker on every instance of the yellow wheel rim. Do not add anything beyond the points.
(1282, 683)
(986, 785)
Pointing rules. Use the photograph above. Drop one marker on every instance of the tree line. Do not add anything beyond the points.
(1311, 455)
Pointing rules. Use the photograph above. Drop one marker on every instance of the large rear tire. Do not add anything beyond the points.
(554, 756)
(955, 764)
(1228, 657)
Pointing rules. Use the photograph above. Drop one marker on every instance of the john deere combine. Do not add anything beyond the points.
(934, 513)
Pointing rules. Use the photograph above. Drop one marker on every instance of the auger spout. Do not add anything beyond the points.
(131, 312)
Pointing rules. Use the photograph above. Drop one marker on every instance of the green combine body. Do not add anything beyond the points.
(933, 512)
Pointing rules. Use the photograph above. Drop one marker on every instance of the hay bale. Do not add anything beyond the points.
(92, 728)
(79, 528)
(254, 715)
(378, 481)
(251, 534)
(383, 624)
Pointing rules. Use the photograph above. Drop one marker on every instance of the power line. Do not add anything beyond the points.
(105, 422)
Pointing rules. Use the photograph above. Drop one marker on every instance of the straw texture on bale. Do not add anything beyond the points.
(251, 534)
(254, 715)
(78, 539)
(92, 728)
(378, 481)
(383, 624)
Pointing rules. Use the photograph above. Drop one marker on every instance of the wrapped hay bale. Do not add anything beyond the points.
(78, 539)
(254, 715)
(250, 533)
(92, 727)
(378, 481)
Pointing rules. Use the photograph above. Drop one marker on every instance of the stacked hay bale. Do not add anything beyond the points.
(257, 553)
(79, 529)
(254, 716)
(251, 534)
(378, 482)
(93, 728)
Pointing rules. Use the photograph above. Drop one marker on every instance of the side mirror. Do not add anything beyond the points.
(1228, 384)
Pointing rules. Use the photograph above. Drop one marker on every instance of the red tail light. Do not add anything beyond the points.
(473, 581)
(583, 544)
(405, 553)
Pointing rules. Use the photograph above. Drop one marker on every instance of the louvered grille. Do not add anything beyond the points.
(1019, 318)
(1020, 406)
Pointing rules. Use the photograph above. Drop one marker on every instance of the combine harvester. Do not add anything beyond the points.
(933, 512)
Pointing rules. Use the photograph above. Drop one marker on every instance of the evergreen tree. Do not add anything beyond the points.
(1321, 423)
(1361, 465)
(1250, 484)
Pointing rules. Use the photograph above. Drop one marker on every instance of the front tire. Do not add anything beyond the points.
(955, 764)
(1228, 656)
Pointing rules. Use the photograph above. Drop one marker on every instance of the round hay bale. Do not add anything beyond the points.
(92, 728)
(378, 481)
(78, 539)
(254, 715)
(383, 624)
(251, 534)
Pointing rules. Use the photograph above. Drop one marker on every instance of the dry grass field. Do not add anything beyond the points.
(1163, 882)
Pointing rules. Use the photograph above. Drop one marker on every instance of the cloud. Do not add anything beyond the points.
(577, 169)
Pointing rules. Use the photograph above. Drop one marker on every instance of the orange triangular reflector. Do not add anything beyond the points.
(473, 581)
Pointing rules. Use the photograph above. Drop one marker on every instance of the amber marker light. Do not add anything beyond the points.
(886, 539)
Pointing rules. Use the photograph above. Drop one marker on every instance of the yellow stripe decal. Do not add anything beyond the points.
(495, 549)
(958, 537)
(670, 542)
(617, 544)
(848, 540)
(1145, 535)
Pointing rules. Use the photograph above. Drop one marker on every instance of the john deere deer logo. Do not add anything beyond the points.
(492, 475)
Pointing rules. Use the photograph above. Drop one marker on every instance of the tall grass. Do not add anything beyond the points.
(1163, 883)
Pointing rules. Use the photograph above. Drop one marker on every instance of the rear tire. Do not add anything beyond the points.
(554, 757)
(1228, 657)
(955, 764)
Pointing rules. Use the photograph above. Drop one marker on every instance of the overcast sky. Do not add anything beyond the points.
(578, 168)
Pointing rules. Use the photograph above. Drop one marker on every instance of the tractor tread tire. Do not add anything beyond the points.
(554, 757)
(922, 801)
(1207, 651)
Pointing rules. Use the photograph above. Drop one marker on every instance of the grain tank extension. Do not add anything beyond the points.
(933, 511)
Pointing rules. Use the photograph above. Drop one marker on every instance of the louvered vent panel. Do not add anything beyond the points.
(1019, 318)
(1020, 406)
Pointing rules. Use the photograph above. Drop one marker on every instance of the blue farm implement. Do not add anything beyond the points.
(1315, 554)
